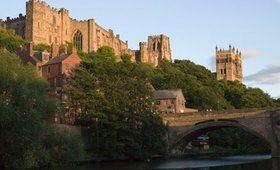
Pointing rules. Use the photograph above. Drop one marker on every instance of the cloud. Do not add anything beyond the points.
(269, 75)
(250, 53)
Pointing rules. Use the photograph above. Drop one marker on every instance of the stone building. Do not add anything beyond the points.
(229, 64)
(45, 24)
(170, 101)
(157, 49)
(56, 67)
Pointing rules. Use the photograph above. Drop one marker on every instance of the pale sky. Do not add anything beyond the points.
(195, 27)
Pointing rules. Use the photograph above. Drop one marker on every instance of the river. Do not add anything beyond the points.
(248, 162)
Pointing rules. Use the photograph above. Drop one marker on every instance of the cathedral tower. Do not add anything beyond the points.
(229, 64)
(159, 48)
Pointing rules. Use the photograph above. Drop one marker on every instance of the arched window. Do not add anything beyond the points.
(78, 40)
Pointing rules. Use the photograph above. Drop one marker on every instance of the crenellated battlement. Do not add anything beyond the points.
(44, 4)
(230, 50)
(143, 43)
(19, 18)
(80, 21)
(63, 10)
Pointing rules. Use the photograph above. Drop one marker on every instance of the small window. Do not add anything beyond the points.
(225, 71)
(221, 71)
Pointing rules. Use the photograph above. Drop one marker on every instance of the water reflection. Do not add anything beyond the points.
(210, 162)
(253, 162)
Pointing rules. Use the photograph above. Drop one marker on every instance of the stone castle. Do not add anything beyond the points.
(45, 24)
(229, 64)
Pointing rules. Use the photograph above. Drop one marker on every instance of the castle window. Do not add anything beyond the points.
(78, 40)
(54, 20)
(154, 46)
(225, 71)
(221, 71)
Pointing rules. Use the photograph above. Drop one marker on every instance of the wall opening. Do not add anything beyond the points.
(78, 40)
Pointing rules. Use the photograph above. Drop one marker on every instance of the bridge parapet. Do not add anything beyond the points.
(192, 118)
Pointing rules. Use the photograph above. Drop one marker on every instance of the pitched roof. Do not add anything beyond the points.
(58, 59)
(166, 94)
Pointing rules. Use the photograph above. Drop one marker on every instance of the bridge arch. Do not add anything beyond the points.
(178, 146)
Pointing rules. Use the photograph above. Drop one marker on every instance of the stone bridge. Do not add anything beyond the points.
(184, 127)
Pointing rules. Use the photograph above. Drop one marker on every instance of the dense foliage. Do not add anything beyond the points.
(27, 138)
(237, 140)
(202, 91)
(115, 100)
(42, 47)
(10, 41)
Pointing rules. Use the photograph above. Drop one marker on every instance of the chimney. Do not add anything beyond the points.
(29, 49)
(54, 50)
(63, 50)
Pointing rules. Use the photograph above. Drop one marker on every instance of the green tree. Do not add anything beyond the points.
(25, 119)
(10, 41)
(42, 47)
(256, 98)
(116, 103)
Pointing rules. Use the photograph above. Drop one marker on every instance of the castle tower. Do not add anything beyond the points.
(159, 49)
(229, 64)
(143, 52)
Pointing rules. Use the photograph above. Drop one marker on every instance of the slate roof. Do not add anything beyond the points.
(166, 94)
(58, 59)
